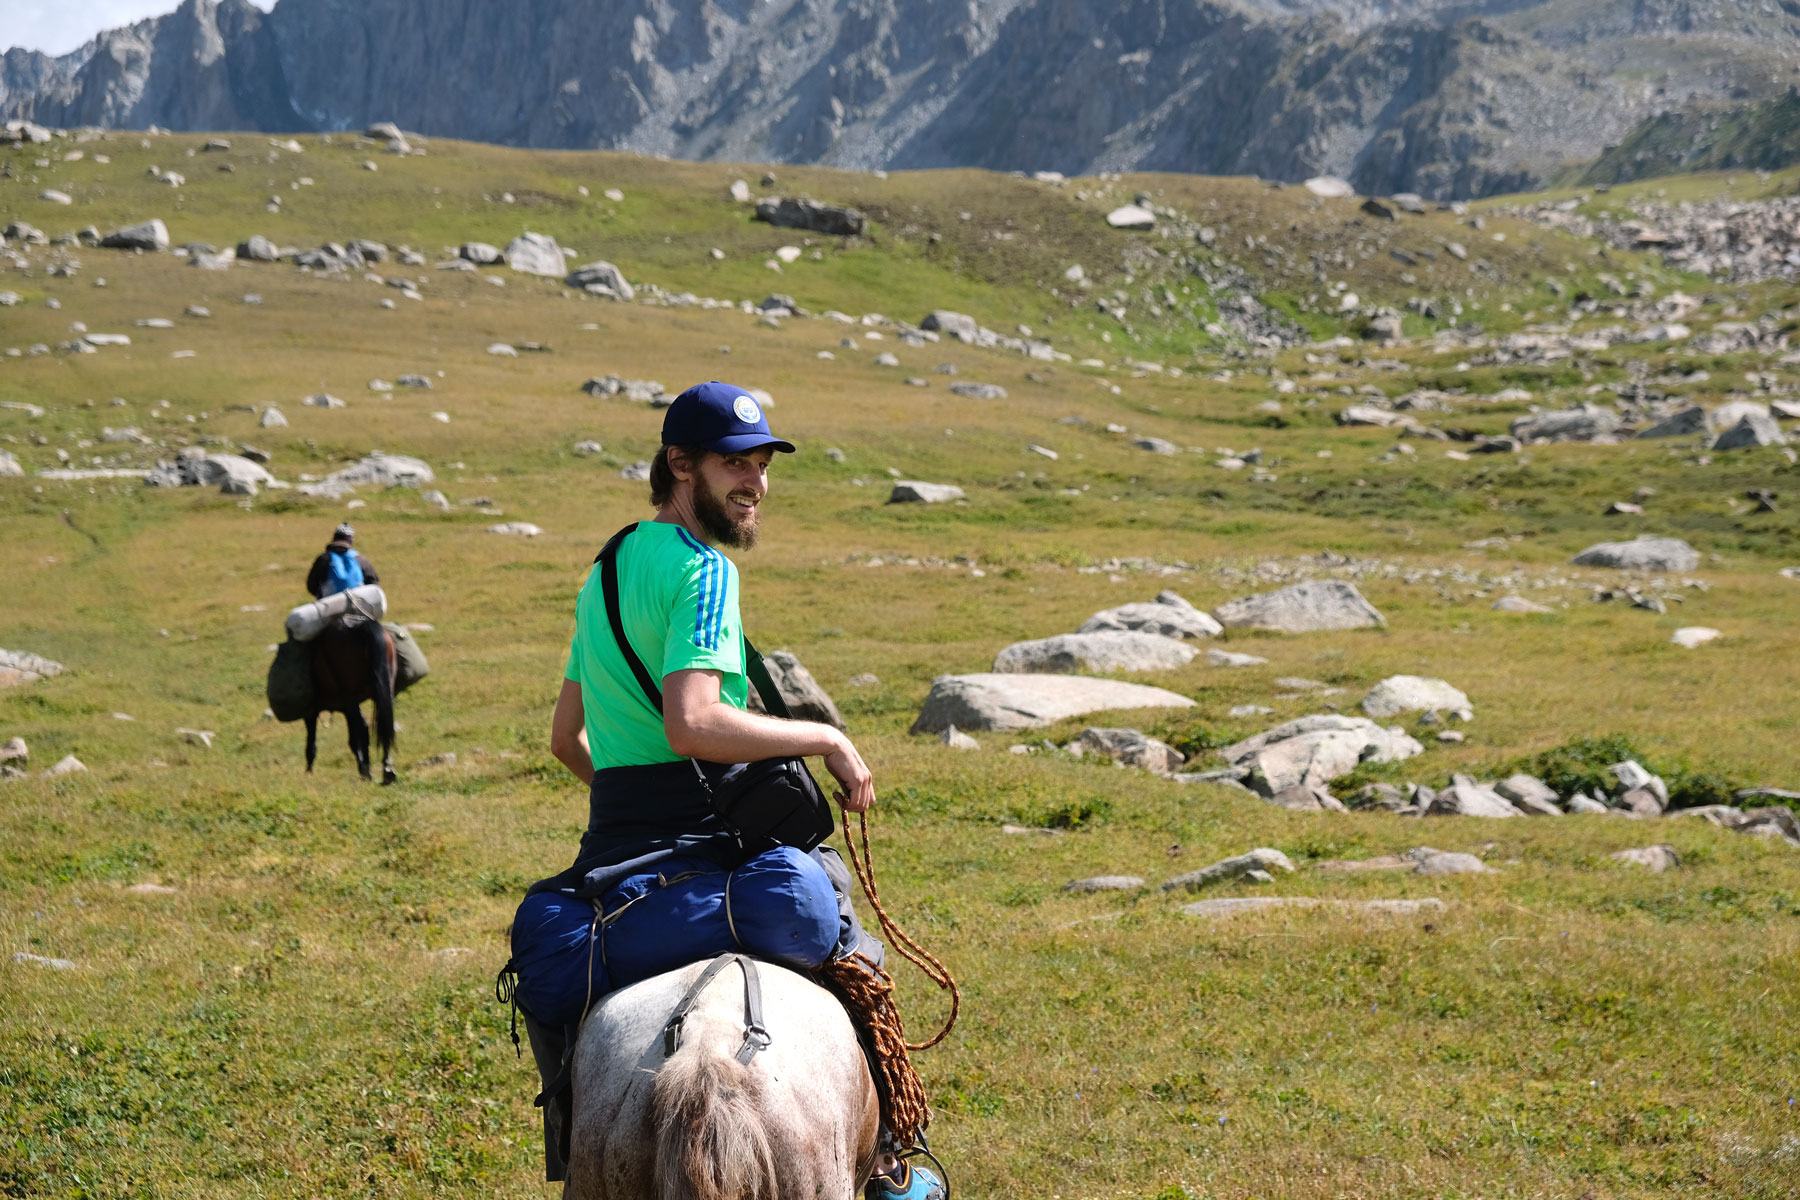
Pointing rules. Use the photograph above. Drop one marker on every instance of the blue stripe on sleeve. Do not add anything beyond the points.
(711, 592)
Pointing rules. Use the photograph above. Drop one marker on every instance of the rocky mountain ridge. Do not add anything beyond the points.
(1453, 99)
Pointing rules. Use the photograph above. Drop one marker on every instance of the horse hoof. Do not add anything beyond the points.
(388, 777)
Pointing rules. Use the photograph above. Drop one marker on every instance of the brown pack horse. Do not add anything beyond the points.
(350, 664)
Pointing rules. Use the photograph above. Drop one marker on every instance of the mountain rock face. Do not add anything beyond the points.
(1454, 98)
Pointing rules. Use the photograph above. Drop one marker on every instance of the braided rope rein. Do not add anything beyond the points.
(867, 992)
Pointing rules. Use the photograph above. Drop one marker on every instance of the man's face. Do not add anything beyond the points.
(728, 488)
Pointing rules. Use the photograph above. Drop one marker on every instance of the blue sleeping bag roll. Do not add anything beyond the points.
(779, 905)
(551, 934)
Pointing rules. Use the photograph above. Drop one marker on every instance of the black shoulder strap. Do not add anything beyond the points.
(756, 1037)
(608, 558)
(754, 668)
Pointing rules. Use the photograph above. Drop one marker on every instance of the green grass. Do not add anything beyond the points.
(284, 1025)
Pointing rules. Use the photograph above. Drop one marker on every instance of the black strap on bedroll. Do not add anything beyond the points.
(756, 1037)
(773, 799)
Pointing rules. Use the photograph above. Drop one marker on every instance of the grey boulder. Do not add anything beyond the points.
(960, 326)
(601, 279)
(1314, 750)
(1529, 795)
(1582, 424)
(145, 235)
(1438, 862)
(1754, 429)
(979, 391)
(805, 699)
(1168, 615)
(536, 254)
(479, 253)
(258, 248)
(1412, 693)
(1467, 798)
(1238, 865)
(22, 666)
(1105, 883)
(1114, 651)
(1131, 747)
(1657, 858)
(1684, 422)
(1645, 553)
(799, 212)
(1302, 608)
(997, 702)
(913, 491)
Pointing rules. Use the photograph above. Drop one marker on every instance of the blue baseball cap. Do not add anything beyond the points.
(723, 418)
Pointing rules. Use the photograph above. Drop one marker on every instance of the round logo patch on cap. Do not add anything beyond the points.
(746, 410)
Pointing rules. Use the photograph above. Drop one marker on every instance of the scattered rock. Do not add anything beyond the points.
(150, 235)
(1412, 693)
(1685, 422)
(515, 529)
(1318, 604)
(1437, 862)
(1330, 186)
(1131, 747)
(1311, 751)
(1579, 804)
(1261, 859)
(480, 253)
(1004, 701)
(15, 750)
(638, 471)
(197, 737)
(956, 739)
(960, 326)
(1658, 858)
(1105, 883)
(805, 699)
(1517, 604)
(150, 889)
(1156, 445)
(67, 765)
(23, 959)
(1243, 904)
(377, 470)
(803, 213)
(21, 666)
(1528, 794)
(1646, 553)
(1120, 650)
(1693, 635)
(601, 279)
(1467, 798)
(1131, 216)
(1755, 429)
(1226, 658)
(536, 254)
(978, 391)
(913, 491)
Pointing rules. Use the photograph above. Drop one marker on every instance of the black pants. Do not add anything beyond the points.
(552, 1045)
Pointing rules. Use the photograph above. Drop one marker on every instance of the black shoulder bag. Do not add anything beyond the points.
(772, 800)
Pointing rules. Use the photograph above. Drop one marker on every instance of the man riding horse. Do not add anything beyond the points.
(650, 825)
(341, 567)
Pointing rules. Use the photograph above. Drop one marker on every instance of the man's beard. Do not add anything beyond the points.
(738, 532)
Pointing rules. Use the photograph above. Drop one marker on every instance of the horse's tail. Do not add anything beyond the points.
(710, 1142)
(381, 649)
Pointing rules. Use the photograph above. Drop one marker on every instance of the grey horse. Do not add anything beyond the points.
(799, 1120)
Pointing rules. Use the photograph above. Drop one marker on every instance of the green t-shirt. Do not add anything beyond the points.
(678, 599)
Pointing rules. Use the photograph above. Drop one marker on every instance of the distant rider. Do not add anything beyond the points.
(341, 567)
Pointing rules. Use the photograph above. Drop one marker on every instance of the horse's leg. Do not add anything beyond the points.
(359, 738)
(387, 670)
(312, 740)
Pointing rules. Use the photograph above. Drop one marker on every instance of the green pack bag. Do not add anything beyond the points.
(409, 659)
(290, 685)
